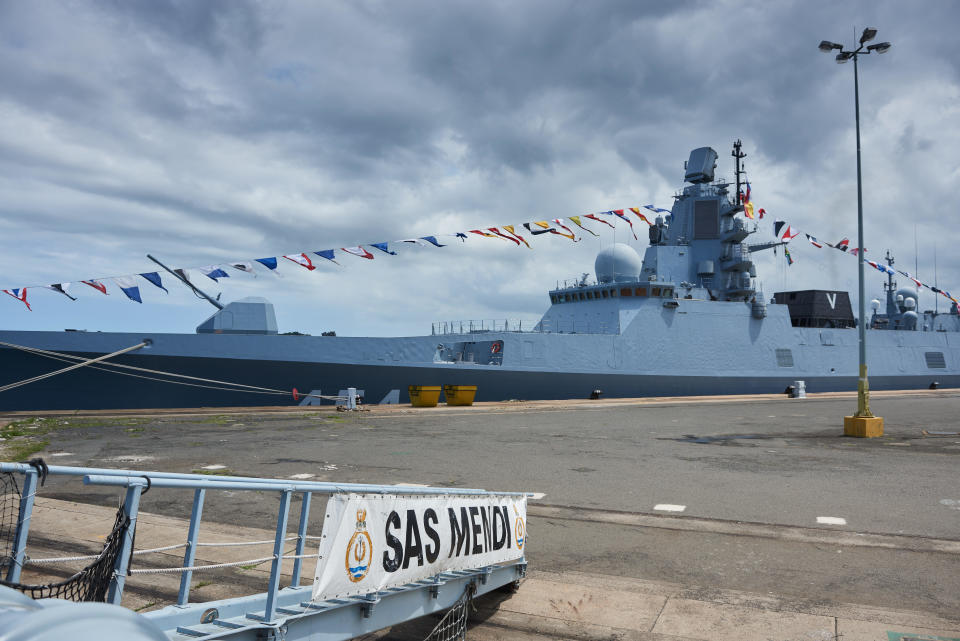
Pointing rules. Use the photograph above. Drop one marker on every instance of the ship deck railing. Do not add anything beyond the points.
(289, 608)
(545, 326)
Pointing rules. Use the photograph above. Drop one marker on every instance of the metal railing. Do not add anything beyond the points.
(441, 328)
(546, 326)
(277, 606)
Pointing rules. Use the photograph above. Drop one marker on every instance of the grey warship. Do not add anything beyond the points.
(686, 319)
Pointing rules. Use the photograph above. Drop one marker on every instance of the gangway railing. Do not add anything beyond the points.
(287, 612)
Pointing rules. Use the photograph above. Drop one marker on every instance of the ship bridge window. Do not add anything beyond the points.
(589, 295)
(554, 299)
(605, 294)
(668, 292)
(583, 296)
(626, 291)
(613, 293)
(935, 360)
(641, 291)
(655, 291)
(784, 358)
(566, 298)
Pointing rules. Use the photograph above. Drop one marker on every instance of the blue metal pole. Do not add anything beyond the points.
(131, 507)
(190, 554)
(210, 481)
(301, 538)
(271, 608)
(30, 480)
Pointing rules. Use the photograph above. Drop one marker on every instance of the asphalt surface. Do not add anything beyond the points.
(777, 461)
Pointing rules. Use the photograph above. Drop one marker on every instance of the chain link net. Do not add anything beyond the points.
(92, 582)
(9, 513)
(453, 625)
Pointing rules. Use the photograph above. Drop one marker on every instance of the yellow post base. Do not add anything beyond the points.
(863, 426)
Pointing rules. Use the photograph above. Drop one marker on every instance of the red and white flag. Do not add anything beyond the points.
(97, 285)
(787, 234)
(358, 251)
(302, 259)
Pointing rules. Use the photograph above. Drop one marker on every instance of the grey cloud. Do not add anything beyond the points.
(218, 130)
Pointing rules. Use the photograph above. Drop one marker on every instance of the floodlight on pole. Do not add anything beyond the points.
(863, 423)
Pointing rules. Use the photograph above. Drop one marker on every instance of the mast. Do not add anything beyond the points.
(737, 169)
(936, 299)
(890, 287)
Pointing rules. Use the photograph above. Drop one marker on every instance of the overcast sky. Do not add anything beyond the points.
(204, 132)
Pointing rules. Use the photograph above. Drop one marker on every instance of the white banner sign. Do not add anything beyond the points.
(373, 541)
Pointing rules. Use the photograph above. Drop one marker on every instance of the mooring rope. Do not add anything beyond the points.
(83, 362)
(237, 387)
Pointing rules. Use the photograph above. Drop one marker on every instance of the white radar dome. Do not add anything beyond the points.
(618, 262)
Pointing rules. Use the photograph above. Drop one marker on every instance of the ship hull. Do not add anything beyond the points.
(300, 364)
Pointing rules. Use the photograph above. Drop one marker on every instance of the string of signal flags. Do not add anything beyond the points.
(129, 284)
(786, 232)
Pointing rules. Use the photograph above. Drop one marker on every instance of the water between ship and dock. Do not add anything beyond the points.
(686, 518)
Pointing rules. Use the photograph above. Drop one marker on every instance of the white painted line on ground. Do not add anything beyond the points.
(667, 507)
(302, 477)
(536, 496)
(831, 520)
(62, 454)
(214, 467)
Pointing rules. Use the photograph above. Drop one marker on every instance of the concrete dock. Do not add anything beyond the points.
(731, 517)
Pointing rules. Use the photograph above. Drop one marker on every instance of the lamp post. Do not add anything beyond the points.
(863, 423)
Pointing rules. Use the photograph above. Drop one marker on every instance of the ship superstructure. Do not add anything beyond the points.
(688, 318)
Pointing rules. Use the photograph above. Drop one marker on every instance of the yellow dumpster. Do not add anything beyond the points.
(424, 395)
(459, 394)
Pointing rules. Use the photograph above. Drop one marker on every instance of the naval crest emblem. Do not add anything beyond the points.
(360, 550)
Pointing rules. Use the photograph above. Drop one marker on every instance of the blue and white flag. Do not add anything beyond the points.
(214, 272)
(128, 286)
(328, 254)
(384, 248)
(657, 209)
(432, 240)
(154, 278)
(269, 263)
